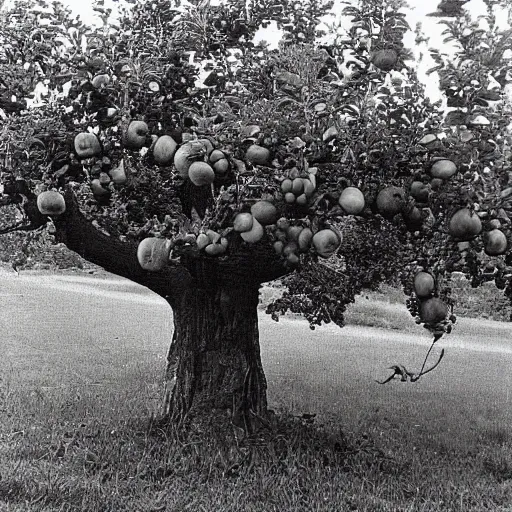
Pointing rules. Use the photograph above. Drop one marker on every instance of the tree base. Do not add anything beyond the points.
(214, 361)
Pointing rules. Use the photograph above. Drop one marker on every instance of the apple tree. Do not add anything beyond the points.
(168, 148)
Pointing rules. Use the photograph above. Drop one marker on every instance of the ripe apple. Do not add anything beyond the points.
(264, 212)
(278, 247)
(283, 223)
(153, 253)
(201, 173)
(135, 135)
(293, 233)
(495, 242)
(51, 202)
(243, 222)
(390, 201)
(215, 249)
(289, 197)
(164, 149)
(385, 59)
(309, 187)
(87, 145)
(292, 260)
(304, 240)
(255, 234)
(286, 185)
(424, 285)
(202, 241)
(302, 200)
(326, 242)
(221, 166)
(100, 80)
(257, 155)
(290, 247)
(419, 191)
(297, 186)
(433, 311)
(216, 155)
(464, 225)
(352, 200)
(443, 169)
(436, 183)
(186, 154)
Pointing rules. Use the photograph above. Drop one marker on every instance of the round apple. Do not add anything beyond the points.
(385, 59)
(164, 149)
(419, 191)
(153, 253)
(464, 225)
(390, 201)
(243, 222)
(352, 200)
(304, 240)
(326, 242)
(200, 174)
(433, 311)
(424, 285)
(297, 186)
(286, 186)
(51, 202)
(216, 155)
(255, 234)
(264, 212)
(257, 155)
(495, 242)
(443, 169)
(135, 135)
(221, 166)
(87, 145)
(186, 154)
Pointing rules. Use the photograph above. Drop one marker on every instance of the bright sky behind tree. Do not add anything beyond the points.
(418, 13)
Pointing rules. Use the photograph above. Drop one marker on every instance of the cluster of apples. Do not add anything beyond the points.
(293, 239)
(432, 310)
(441, 170)
(88, 147)
(297, 190)
(199, 161)
(465, 225)
(211, 242)
(289, 240)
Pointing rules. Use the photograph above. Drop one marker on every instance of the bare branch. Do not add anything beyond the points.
(18, 227)
(405, 375)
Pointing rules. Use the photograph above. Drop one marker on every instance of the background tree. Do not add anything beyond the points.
(323, 165)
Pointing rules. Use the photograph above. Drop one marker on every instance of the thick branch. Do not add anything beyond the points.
(120, 258)
(21, 226)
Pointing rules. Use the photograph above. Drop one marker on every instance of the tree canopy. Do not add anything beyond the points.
(325, 165)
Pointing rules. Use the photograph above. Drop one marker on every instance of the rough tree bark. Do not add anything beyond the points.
(214, 359)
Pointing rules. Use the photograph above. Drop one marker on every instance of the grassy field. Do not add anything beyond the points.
(81, 375)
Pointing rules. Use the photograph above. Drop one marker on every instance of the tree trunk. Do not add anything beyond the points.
(214, 360)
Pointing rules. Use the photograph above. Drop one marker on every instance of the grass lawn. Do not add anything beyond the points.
(81, 375)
